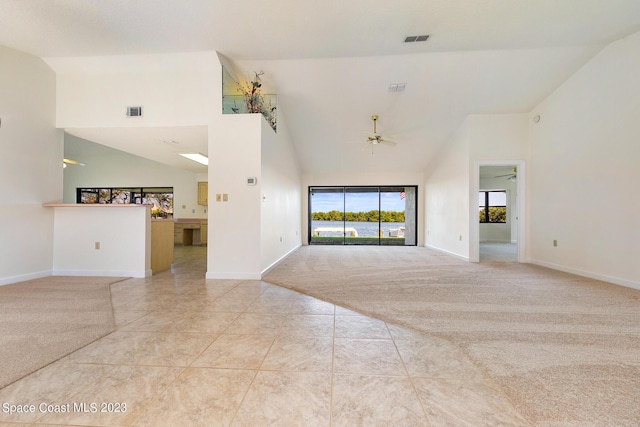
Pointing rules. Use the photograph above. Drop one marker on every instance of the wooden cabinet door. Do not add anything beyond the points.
(203, 193)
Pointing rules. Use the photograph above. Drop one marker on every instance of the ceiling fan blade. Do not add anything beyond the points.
(72, 162)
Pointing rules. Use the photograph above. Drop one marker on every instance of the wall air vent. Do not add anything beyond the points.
(134, 111)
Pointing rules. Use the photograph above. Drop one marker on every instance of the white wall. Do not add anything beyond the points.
(175, 89)
(30, 166)
(584, 168)
(107, 167)
(447, 196)
(280, 183)
(499, 136)
(124, 234)
(351, 179)
(234, 226)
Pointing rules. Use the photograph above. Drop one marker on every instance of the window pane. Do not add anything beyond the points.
(89, 197)
(481, 198)
(327, 215)
(105, 195)
(497, 198)
(121, 196)
(162, 204)
(481, 215)
(497, 214)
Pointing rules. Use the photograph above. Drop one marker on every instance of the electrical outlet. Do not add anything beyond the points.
(460, 238)
(97, 245)
(218, 197)
(555, 243)
(225, 197)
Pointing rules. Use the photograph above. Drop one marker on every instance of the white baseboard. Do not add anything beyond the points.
(235, 276)
(24, 277)
(282, 258)
(104, 273)
(464, 258)
(591, 275)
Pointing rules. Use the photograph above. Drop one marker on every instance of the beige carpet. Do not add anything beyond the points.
(565, 349)
(45, 319)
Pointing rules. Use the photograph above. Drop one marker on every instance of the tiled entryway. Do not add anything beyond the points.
(190, 352)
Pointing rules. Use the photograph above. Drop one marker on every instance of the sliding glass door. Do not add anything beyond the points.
(327, 217)
(367, 215)
(362, 214)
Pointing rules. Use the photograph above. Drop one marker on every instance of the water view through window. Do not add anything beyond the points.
(363, 215)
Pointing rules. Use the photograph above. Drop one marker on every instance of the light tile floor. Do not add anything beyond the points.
(196, 352)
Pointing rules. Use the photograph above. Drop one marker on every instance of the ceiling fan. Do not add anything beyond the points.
(375, 138)
(510, 176)
(66, 162)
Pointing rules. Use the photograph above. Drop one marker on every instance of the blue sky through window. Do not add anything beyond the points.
(357, 202)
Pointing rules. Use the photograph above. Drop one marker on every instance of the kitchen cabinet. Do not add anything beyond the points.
(204, 225)
(161, 245)
(203, 193)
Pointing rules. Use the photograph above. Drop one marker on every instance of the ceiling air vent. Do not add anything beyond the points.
(411, 39)
(134, 111)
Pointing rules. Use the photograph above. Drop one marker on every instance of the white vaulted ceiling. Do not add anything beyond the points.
(331, 62)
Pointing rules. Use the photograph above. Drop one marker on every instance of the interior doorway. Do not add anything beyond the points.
(497, 233)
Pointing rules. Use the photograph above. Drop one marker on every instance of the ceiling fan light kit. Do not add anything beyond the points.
(375, 138)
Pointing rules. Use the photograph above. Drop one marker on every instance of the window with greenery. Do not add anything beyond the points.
(493, 206)
(160, 197)
(365, 215)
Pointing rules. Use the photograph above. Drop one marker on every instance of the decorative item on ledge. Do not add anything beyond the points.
(248, 98)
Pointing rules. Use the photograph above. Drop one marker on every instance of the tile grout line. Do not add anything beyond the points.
(246, 393)
(413, 386)
(333, 360)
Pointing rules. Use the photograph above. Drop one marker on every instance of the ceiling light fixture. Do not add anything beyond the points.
(196, 157)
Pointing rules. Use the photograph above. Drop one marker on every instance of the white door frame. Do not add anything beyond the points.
(474, 225)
